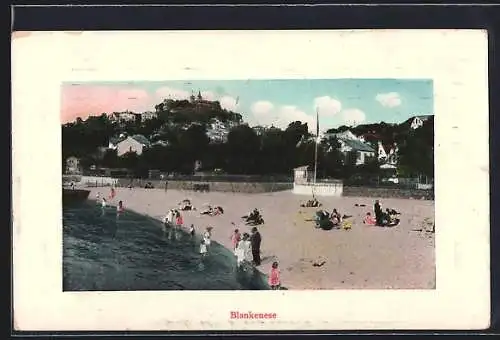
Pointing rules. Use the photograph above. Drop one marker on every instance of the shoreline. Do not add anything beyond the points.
(364, 257)
(250, 270)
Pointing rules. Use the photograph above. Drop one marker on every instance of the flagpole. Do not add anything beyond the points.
(316, 151)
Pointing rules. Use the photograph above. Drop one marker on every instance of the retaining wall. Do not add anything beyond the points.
(251, 188)
(388, 193)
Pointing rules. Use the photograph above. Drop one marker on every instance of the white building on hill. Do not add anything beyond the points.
(148, 115)
(135, 143)
(218, 131)
(125, 116)
(418, 121)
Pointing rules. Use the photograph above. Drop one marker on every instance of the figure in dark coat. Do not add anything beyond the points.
(255, 240)
(378, 213)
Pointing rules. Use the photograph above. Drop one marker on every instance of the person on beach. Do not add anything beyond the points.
(171, 217)
(166, 219)
(179, 221)
(336, 218)
(235, 238)
(274, 277)
(203, 248)
(243, 250)
(207, 236)
(120, 208)
(256, 240)
(191, 230)
(377, 209)
(103, 203)
(112, 193)
(369, 220)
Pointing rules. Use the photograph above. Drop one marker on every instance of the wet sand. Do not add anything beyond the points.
(364, 257)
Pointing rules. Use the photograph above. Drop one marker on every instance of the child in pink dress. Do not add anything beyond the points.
(179, 221)
(235, 238)
(369, 220)
(274, 277)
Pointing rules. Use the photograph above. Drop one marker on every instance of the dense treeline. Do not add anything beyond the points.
(183, 125)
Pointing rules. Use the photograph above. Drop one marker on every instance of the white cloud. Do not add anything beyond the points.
(353, 116)
(265, 113)
(171, 93)
(262, 107)
(208, 95)
(228, 103)
(390, 99)
(288, 114)
(327, 106)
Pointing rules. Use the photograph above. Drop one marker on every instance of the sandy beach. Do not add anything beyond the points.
(363, 257)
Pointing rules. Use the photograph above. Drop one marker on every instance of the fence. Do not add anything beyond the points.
(97, 181)
(402, 183)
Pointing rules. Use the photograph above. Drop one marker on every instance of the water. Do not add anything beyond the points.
(133, 252)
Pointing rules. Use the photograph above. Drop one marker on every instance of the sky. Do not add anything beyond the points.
(264, 102)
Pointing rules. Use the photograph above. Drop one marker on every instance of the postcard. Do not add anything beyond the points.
(250, 180)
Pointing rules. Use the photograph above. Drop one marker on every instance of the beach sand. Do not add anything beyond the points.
(364, 257)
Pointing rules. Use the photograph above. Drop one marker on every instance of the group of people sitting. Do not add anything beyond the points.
(328, 221)
(253, 218)
(212, 211)
(314, 203)
(387, 218)
(186, 205)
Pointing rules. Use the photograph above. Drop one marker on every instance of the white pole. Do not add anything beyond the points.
(316, 151)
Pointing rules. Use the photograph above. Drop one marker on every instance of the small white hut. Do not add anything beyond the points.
(302, 174)
(303, 184)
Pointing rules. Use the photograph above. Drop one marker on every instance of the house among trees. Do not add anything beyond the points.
(217, 131)
(148, 115)
(73, 166)
(135, 143)
(363, 151)
(113, 141)
(350, 143)
(418, 121)
(125, 116)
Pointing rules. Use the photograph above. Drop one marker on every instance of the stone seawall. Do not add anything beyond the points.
(251, 188)
(388, 193)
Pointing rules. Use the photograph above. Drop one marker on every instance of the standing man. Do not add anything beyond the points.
(255, 241)
(378, 213)
(166, 186)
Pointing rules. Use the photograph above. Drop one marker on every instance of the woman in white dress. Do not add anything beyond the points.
(243, 251)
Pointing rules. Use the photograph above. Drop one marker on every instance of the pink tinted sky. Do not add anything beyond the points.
(85, 100)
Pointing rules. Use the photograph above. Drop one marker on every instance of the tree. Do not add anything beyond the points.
(129, 160)
(110, 159)
(243, 146)
(330, 158)
(416, 154)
